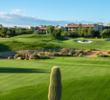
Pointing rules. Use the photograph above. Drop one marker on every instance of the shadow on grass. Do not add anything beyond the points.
(4, 48)
(61, 38)
(21, 70)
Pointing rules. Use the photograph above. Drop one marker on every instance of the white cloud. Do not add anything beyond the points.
(18, 11)
(18, 17)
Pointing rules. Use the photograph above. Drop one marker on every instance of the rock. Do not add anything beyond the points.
(9, 57)
(26, 58)
(1, 56)
(18, 58)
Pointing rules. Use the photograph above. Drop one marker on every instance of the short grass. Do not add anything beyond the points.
(33, 41)
(83, 78)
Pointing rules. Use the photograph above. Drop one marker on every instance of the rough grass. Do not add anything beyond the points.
(82, 78)
(33, 41)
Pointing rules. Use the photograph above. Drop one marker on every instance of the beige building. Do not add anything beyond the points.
(96, 27)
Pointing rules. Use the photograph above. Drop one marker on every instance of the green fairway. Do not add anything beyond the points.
(32, 41)
(83, 78)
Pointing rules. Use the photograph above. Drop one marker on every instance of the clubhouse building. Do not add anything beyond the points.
(71, 26)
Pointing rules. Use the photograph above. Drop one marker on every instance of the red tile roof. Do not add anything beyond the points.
(83, 25)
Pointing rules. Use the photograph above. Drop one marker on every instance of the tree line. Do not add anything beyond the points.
(10, 32)
(77, 32)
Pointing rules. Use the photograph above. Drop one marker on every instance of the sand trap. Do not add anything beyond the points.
(108, 40)
(86, 41)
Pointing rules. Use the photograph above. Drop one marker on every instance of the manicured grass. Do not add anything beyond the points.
(33, 41)
(83, 78)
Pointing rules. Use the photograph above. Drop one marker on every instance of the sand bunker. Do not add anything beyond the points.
(86, 41)
(108, 40)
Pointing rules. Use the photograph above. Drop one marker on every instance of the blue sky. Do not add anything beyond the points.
(53, 12)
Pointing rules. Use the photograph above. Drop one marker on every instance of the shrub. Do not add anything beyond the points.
(80, 55)
(75, 55)
(34, 56)
(88, 50)
(64, 50)
(84, 53)
(18, 55)
(108, 52)
(92, 49)
(100, 54)
(43, 57)
(79, 51)
(37, 32)
(71, 52)
(42, 53)
(103, 55)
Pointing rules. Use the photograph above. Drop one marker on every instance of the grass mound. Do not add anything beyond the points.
(32, 41)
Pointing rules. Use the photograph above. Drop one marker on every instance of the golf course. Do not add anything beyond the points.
(83, 78)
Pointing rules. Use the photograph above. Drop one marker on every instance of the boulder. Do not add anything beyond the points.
(26, 58)
(19, 58)
(1, 56)
(9, 57)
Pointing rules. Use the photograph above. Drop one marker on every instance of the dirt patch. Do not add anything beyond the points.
(94, 53)
(29, 52)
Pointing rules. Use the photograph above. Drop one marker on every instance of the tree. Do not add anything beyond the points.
(65, 34)
(8, 32)
(74, 33)
(90, 32)
(37, 32)
(1, 26)
(32, 28)
(103, 33)
(45, 26)
(3, 33)
(83, 32)
(80, 26)
(57, 26)
(50, 29)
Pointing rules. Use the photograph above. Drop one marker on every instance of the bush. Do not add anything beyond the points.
(100, 54)
(92, 49)
(37, 32)
(79, 51)
(75, 55)
(64, 50)
(108, 52)
(88, 50)
(103, 55)
(34, 56)
(80, 55)
(18, 55)
(84, 53)
(43, 57)
(71, 52)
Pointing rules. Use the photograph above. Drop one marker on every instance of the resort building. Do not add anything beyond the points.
(43, 29)
(70, 27)
(96, 27)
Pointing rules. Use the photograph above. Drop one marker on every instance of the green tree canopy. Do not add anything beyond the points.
(50, 29)
(37, 32)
